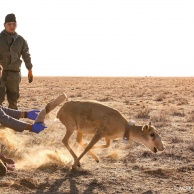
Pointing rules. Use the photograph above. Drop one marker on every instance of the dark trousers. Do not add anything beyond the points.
(9, 85)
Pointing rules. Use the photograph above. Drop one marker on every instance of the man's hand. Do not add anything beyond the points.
(30, 76)
(38, 127)
(32, 114)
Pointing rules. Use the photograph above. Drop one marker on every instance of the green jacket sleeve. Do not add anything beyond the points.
(26, 55)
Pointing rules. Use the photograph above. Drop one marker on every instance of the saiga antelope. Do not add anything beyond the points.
(91, 117)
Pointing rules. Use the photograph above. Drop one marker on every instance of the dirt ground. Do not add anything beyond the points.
(43, 165)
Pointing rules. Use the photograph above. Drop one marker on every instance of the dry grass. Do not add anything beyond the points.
(43, 162)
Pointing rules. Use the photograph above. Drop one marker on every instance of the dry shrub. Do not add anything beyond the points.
(174, 111)
(161, 118)
(190, 117)
(172, 154)
(191, 146)
(176, 139)
(147, 154)
(74, 95)
(143, 113)
(178, 100)
(105, 99)
(79, 94)
(127, 102)
(160, 173)
(160, 97)
(140, 94)
(182, 101)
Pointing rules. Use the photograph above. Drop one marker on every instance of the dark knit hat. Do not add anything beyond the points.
(10, 18)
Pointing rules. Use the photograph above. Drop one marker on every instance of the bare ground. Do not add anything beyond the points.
(43, 165)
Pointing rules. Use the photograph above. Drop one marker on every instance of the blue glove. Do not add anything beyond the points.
(38, 127)
(32, 114)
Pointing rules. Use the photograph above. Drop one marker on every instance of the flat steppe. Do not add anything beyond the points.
(43, 163)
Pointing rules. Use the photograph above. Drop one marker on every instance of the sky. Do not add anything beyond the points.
(106, 37)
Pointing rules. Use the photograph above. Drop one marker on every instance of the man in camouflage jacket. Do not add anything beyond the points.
(12, 48)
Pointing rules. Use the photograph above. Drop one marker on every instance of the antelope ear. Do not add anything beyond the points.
(145, 128)
(149, 124)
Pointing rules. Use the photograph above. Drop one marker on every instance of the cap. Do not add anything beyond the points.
(10, 18)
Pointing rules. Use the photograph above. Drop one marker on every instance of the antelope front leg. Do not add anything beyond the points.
(66, 143)
(94, 140)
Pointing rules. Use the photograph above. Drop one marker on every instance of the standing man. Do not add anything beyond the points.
(12, 48)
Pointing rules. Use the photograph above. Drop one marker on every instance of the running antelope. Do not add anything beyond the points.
(91, 117)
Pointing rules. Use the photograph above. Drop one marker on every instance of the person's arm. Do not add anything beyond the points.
(13, 113)
(27, 60)
(32, 114)
(20, 126)
(13, 123)
(26, 56)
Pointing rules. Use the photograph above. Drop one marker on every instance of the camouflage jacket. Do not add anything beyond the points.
(12, 47)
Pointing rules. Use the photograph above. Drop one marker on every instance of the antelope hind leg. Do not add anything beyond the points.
(103, 146)
(79, 140)
(94, 140)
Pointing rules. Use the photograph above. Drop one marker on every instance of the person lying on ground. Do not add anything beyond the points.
(10, 118)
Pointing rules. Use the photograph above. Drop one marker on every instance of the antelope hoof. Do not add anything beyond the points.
(76, 165)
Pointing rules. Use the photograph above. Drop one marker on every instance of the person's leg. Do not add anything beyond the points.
(13, 81)
(10, 167)
(5, 159)
(8, 162)
(2, 91)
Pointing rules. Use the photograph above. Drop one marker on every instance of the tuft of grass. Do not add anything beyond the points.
(174, 111)
(160, 97)
(147, 154)
(161, 118)
(176, 139)
(143, 113)
(105, 99)
(182, 101)
(190, 117)
(79, 94)
(191, 146)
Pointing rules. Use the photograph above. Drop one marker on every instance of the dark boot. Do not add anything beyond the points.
(13, 105)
